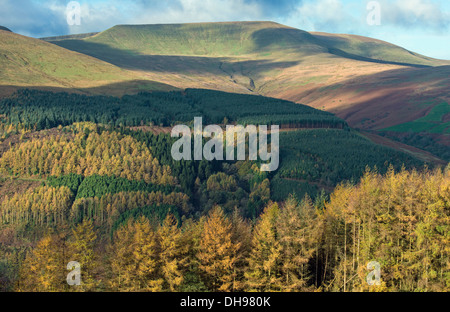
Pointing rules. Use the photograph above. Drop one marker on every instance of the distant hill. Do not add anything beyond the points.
(245, 57)
(244, 38)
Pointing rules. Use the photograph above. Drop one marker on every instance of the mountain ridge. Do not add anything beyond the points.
(262, 35)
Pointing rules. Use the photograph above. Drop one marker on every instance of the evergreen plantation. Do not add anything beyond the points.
(43, 110)
(108, 194)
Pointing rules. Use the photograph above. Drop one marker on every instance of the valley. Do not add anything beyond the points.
(87, 171)
(371, 84)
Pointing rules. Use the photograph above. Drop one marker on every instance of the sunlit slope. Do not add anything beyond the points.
(362, 48)
(243, 38)
(208, 39)
(27, 61)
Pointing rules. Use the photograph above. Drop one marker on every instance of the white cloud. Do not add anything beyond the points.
(424, 14)
(322, 15)
(201, 11)
(98, 16)
(28, 17)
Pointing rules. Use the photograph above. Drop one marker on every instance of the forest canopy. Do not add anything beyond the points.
(92, 178)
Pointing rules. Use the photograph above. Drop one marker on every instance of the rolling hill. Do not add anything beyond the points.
(28, 62)
(372, 84)
(228, 39)
(246, 57)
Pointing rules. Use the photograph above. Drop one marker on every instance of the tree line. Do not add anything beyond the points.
(39, 110)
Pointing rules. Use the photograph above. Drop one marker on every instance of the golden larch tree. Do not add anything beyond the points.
(217, 252)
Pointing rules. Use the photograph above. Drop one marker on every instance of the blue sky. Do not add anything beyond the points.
(422, 26)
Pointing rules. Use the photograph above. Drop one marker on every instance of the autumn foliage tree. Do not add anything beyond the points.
(86, 153)
(264, 261)
(400, 220)
(173, 253)
(44, 268)
(82, 250)
(135, 259)
(217, 252)
(297, 227)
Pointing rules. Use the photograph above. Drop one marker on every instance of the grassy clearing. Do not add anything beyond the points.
(431, 123)
(437, 113)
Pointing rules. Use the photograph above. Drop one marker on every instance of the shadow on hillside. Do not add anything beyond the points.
(117, 89)
(270, 39)
(177, 64)
(366, 59)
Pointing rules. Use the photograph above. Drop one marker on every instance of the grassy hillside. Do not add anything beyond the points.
(207, 39)
(31, 62)
(225, 56)
(364, 47)
(68, 37)
(241, 38)
(433, 122)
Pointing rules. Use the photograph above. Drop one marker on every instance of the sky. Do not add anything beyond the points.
(422, 26)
